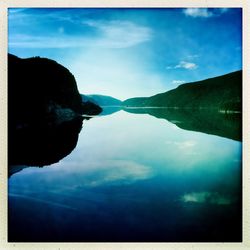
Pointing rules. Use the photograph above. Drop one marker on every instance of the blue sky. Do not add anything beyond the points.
(131, 52)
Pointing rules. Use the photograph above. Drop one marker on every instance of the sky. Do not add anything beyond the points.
(124, 52)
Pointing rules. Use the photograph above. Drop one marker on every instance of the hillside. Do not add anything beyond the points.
(102, 100)
(40, 89)
(44, 108)
(220, 93)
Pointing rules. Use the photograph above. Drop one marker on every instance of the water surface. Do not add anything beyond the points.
(132, 178)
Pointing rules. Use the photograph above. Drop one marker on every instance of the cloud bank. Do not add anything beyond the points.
(108, 34)
(204, 12)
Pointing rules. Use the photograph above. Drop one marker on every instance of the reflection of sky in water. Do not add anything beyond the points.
(128, 161)
(129, 147)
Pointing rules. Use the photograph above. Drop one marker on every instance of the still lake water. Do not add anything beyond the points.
(132, 178)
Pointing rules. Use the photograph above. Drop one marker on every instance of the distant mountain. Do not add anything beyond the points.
(102, 100)
(109, 110)
(220, 93)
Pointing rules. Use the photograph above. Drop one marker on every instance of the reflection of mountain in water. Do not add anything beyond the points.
(42, 145)
(109, 110)
(205, 121)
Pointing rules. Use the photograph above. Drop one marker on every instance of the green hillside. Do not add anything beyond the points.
(220, 93)
(102, 100)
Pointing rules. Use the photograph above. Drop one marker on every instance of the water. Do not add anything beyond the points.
(132, 178)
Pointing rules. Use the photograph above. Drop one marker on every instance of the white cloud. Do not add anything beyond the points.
(121, 33)
(178, 82)
(204, 12)
(28, 41)
(186, 65)
(110, 34)
(198, 12)
(183, 65)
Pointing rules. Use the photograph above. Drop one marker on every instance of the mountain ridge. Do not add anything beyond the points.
(101, 100)
(220, 93)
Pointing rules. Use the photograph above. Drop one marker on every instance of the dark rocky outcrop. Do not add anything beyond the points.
(37, 89)
(91, 108)
(44, 112)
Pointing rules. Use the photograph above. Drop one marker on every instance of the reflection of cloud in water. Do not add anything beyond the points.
(185, 144)
(188, 147)
(119, 171)
(206, 197)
